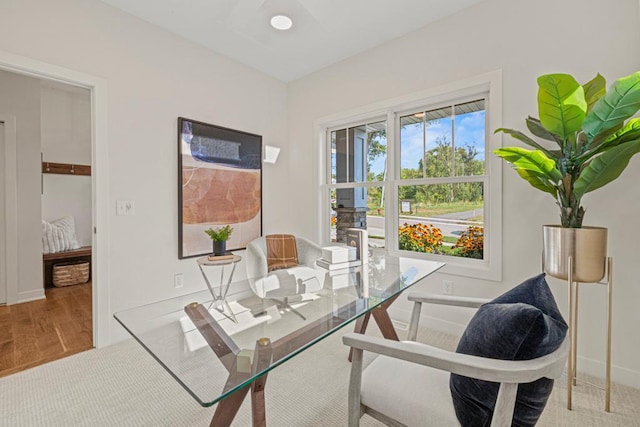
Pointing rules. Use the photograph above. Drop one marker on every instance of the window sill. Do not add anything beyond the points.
(457, 266)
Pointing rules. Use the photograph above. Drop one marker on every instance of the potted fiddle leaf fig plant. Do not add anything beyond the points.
(586, 136)
(219, 236)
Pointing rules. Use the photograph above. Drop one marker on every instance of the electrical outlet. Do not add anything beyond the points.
(178, 280)
(447, 287)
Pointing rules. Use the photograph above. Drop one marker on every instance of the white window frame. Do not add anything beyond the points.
(488, 86)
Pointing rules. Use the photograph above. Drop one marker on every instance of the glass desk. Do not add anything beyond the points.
(220, 361)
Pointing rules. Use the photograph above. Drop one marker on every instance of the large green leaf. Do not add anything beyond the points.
(594, 90)
(605, 168)
(536, 128)
(534, 161)
(603, 136)
(524, 138)
(561, 104)
(623, 134)
(629, 132)
(621, 102)
(537, 182)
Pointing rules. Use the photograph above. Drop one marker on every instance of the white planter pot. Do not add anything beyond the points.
(587, 246)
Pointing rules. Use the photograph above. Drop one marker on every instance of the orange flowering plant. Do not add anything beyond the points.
(420, 238)
(471, 242)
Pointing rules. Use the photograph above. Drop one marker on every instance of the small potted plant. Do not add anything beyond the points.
(219, 236)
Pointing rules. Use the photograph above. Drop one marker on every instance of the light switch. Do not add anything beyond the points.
(125, 207)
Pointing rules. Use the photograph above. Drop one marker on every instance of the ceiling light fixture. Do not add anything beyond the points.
(281, 22)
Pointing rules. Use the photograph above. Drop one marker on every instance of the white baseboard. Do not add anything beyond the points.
(620, 375)
(446, 326)
(30, 296)
(595, 368)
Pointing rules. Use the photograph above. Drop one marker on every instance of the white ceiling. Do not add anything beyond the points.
(324, 31)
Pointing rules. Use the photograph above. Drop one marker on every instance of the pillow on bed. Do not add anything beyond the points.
(522, 324)
(59, 235)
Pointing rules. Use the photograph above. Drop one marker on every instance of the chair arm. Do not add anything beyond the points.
(418, 298)
(501, 371)
(256, 262)
(308, 251)
(446, 300)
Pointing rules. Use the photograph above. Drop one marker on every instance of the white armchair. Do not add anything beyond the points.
(257, 266)
(285, 284)
(408, 384)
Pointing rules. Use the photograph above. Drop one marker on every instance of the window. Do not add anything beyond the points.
(418, 178)
(442, 180)
(358, 166)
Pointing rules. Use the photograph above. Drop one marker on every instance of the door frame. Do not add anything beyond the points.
(99, 186)
(10, 208)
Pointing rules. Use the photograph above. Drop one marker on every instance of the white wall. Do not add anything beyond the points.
(152, 77)
(573, 36)
(66, 138)
(20, 97)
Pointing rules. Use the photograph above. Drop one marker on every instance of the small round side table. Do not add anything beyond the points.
(220, 302)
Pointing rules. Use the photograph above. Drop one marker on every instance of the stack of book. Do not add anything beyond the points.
(227, 256)
(341, 257)
(337, 265)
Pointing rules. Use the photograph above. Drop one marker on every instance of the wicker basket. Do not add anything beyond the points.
(71, 273)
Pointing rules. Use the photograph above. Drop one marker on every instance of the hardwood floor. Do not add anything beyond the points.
(37, 332)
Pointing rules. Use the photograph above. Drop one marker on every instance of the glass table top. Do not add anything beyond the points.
(212, 356)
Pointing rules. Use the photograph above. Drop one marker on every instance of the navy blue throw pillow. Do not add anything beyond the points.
(523, 323)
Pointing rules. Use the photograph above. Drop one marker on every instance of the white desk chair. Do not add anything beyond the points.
(408, 384)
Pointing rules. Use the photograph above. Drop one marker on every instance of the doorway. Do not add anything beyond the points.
(54, 119)
(99, 182)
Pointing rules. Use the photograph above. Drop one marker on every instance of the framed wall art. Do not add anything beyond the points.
(219, 183)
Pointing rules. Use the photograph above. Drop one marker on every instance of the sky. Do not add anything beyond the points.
(469, 130)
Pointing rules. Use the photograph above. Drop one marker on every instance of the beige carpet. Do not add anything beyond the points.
(122, 385)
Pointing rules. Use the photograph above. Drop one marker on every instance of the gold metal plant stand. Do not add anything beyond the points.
(573, 334)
